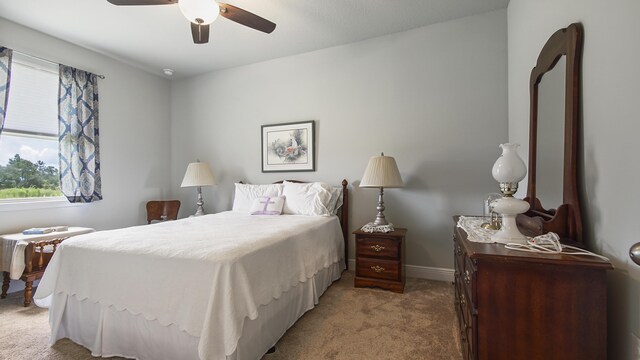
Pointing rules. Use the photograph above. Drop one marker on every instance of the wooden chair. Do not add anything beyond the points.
(162, 210)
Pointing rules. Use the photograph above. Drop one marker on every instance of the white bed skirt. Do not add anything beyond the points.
(109, 332)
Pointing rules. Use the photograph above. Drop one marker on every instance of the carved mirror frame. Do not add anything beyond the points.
(566, 220)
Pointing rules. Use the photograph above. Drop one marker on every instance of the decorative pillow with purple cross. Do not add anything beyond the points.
(267, 205)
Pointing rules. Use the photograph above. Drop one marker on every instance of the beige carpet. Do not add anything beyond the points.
(348, 323)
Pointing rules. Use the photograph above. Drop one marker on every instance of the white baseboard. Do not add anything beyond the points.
(421, 272)
(430, 273)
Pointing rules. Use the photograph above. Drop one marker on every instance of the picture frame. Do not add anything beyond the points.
(288, 147)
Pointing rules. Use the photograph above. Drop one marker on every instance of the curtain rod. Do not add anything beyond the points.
(49, 61)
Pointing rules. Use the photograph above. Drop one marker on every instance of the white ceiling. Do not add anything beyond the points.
(157, 37)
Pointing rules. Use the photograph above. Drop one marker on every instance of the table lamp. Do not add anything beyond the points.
(198, 174)
(509, 170)
(381, 172)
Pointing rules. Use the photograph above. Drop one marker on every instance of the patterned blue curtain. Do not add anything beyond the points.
(78, 131)
(5, 78)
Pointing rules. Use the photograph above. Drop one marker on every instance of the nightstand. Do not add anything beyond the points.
(380, 259)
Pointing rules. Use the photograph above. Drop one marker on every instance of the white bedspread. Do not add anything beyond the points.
(204, 274)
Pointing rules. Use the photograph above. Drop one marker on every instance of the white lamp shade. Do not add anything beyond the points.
(198, 174)
(207, 10)
(509, 168)
(382, 171)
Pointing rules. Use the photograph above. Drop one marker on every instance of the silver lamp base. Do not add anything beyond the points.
(380, 218)
(200, 209)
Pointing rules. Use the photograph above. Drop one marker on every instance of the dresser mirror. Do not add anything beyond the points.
(550, 146)
(554, 88)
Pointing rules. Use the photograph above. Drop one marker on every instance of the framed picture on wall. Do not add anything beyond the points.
(288, 147)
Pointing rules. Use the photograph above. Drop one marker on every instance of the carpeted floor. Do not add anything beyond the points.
(348, 323)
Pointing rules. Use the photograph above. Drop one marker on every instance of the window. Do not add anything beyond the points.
(29, 140)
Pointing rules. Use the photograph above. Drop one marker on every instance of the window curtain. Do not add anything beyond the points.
(78, 131)
(5, 78)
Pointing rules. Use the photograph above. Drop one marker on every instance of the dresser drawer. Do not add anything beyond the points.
(468, 280)
(466, 325)
(461, 324)
(458, 251)
(465, 274)
(465, 290)
(379, 247)
(468, 339)
(378, 269)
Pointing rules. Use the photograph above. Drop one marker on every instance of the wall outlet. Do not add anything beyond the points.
(635, 347)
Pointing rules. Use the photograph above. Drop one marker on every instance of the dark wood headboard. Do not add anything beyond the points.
(344, 221)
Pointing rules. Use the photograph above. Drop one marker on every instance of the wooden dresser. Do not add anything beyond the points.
(380, 259)
(520, 305)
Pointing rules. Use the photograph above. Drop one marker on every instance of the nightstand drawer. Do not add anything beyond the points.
(379, 247)
(378, 269)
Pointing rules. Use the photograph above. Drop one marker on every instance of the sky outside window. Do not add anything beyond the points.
(32, 149)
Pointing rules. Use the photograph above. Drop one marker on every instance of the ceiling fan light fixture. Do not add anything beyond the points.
(199, 11)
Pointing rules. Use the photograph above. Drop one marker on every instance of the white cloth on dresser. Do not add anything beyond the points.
(475, 232)
(371, 228)
(203, 274)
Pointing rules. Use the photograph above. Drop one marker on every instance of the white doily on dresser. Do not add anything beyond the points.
(370, 228)
(475, 232)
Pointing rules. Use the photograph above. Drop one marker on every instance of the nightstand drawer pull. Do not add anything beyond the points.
(377, 248)
(378, 269)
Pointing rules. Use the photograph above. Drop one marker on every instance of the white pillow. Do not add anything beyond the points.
(246, 193)
(267, 205)
(306, 199)
(336, 200)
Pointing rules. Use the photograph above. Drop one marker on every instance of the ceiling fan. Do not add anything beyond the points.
(201, 13)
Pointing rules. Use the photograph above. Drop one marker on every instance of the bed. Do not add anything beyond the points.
(222, 286)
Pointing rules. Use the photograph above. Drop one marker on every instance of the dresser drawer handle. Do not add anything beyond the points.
(467, 277)
(458, 250)
(377, 248)
(378, 269)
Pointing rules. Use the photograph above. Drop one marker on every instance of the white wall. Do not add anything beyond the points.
(610, 171)
(434, 98)
(134, 137)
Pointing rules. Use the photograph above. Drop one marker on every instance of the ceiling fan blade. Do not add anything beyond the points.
(200, 33)
(142, 2)
(246, 18)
